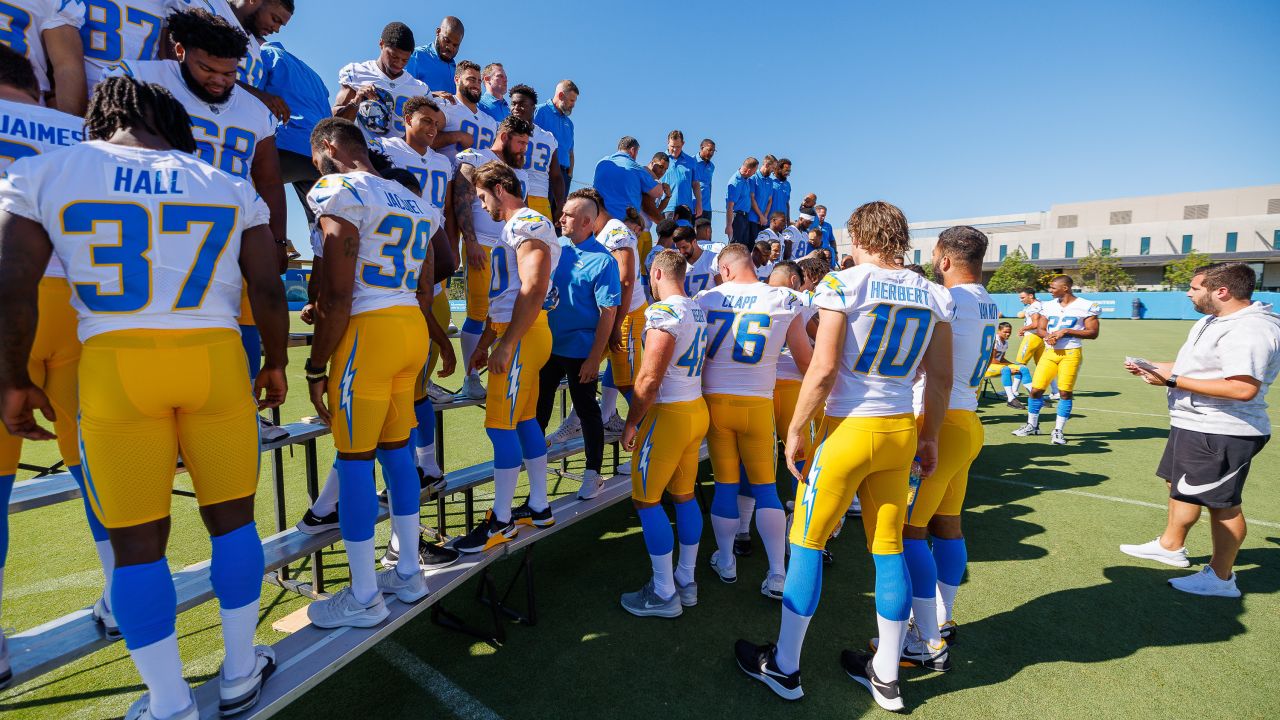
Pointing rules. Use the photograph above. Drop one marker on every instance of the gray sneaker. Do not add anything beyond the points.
(236, 696)
(592, 484)
(1058, 438)
(407, 590)
(614, 425)
(343, 610)
(1026, 430)
(646, 603)
(688, 593)
(472, 388)
(729, 571)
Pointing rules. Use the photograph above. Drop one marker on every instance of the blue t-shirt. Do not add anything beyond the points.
(621, 182)
(298, 85)
(762, 190)
(427, 66)
(782, 197)
(739, 193)
(495, 107)
(557, 123)
(702, 172)
(587, 279)
(679, 176)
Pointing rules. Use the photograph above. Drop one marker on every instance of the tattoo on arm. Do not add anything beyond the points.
(464, 194)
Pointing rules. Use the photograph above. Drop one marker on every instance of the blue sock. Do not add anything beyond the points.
(252, 341)
(237, 566)
(401, 476)
(893, 587)
(1026, 376)
(766, 496)
(475, 327)
(506, 448)
(145, 603)
(800, 596)
(1034, 406)
(1064, 408)
(426, 414)
(655, 524)
(920, 565)
(357, 499)
(533, 444)
(95, 525)
(951, 556)
(1006, 377)
(626, 394)
(688, 522)
(724, 502)
(6, 490)
(607, 380)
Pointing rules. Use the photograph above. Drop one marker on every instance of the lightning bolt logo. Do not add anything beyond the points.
(834, 284)
(348, 380)
(811, 486)
(645, 450)
(513, 384)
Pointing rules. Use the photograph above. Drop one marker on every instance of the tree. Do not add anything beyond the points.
(1177, 275)
(1014, 274)
(1101, 271)
(929, 273)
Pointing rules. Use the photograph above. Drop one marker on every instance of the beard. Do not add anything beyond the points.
(496, 215)
(198, 90)
(512, 158)
(328, 166)
(471, 96)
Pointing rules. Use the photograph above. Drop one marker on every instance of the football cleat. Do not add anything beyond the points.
(525, 515)
(857, 664)
(758, 661)
(488, 534)
(1026, 430)
(312, 524)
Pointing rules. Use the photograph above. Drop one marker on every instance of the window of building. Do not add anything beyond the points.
(1035, 251)
(917, 257)
(1004, 250)
(1275, 240)
(1186, 243)
(1121, 217)
(1144, 246)
(1195, 212)
(1273, 206)
(1231, 241)
(1106, 244)
(1068, 221)
(1070, 250)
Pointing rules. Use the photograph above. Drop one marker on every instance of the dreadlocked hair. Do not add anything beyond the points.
(205, 31)
(120, 103)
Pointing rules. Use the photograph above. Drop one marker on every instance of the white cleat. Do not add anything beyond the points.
(343, 610)
(728, 572)
(568, 430)
(1155, 551)
(1206, 582)
(105, 618)
(772, 586)
(592, 484)
(472, 388)
(1026, 430)
(1058, 437)
(141, 710)
(236, 696)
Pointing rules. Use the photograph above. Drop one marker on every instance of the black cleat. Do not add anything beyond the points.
(1016, 404)
(312, 524)
(758, 662)
(525, 515)
(488, 534)
(950, 632)
(431, 556)
(431, 485)
(827, 557)
(857, 663)
(742, 545)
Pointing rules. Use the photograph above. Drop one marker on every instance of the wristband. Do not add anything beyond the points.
(311, 370)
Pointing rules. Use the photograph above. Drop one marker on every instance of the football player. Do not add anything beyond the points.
(546, 177)
(47, 33)
(703, 272)
(1064, 323)
(381, 77)
(1012, 375)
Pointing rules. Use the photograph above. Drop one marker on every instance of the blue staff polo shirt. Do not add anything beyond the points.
(587, 279)
(781, 197)
(703, 170)
(495, 107)
(739, 193)
(298, 85)
(427, 66)
(762, 190)
(679, 176)
(549, 118)
(621, 182)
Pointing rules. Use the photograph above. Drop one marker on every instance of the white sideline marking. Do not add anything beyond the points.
(460, 703)
(1120, 412)
(1096, 496)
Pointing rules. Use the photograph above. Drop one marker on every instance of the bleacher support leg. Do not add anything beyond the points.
(313, 489)
(440, 509)
(277, 474)
(530, 615)
(442, 617)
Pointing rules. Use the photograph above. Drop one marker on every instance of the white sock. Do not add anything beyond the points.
(1033, 419)
(107, 557)
(364, 581)
(469, 342)
(427, 460)
(724, 529)
(1010, 392)
(238, 627)
(687, 563)
(1017, 383)
(663, 583)
(1062, 422)
(394, 543)
(946, 602)
(746, 506)
(161, 669)
(608, 403)
(327, 501)
(791, 640)
(889, 652)
(407, 530)
(772, 524)
(504, 492)
(537, 471)
(926, 608)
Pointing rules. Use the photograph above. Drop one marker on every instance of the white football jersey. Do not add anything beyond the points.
(764, 271)
(1030, 312)
(116, 31)
(1071, 317)
(488, 230)
(25, 20)
(252, 70)
(150, 239)
(787, 368)
(617, 236)
(357, 75)
(795, 236)
(891, 315)
(681, 318)
(227, 133)
(1002, 346)
(395, 230)
(433, 170)
(458, 117)
(768, 235)
(537, 160)
(504, 288)
(747, 326)
(973, 336)
(700, 274)
(34, 130)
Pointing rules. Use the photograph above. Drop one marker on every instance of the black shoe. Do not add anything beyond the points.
(434, 556)
(1017, 404)
(827, 557)
(857, 664)
(758, 662)
(312, 524)
(430, 486)
(742, 545)
(488, 534)
(525, 515)
(950, 632)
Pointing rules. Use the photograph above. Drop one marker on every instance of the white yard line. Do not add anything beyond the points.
(460, 703)
(1119, 412)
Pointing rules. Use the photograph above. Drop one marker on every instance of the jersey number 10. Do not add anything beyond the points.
(885, 341)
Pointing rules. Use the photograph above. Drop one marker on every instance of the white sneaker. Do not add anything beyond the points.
(343, 610)
(1055, 397)
(614, 425)
(472, 388)
(1206, 582)
(592, 484)
(104, 616)
(407, 590)
(625, 468)
(236, 696)
(438, 395)
(728, 572)
(141, 710)
(568, 430)
(1058, 437)
(452, 330)
(269, 431)
(1026, 430)
(772, 586)
(1155, 551)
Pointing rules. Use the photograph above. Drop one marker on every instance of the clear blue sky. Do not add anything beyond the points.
(944, 109)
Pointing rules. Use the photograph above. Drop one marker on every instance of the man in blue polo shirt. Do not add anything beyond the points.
(588, 291)
(828, 235)
(679, 176)
(434, 63)
(554, 117)
(761, 199)
(298, 85)
(622, 182)
(782, 189)
(737, 204)
(494, 101)
(703, 170)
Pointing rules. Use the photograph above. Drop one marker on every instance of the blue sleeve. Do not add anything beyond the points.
(647, 182)
(609, 286)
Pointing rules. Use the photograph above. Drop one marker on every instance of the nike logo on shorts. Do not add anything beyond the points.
(1187, 488)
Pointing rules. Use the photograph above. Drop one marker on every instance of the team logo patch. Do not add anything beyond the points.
(645, 451)
(513, 384)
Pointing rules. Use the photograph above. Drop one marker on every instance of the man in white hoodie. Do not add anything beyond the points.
(1218, 417)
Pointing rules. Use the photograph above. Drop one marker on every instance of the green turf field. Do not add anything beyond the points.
(1056, 622)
